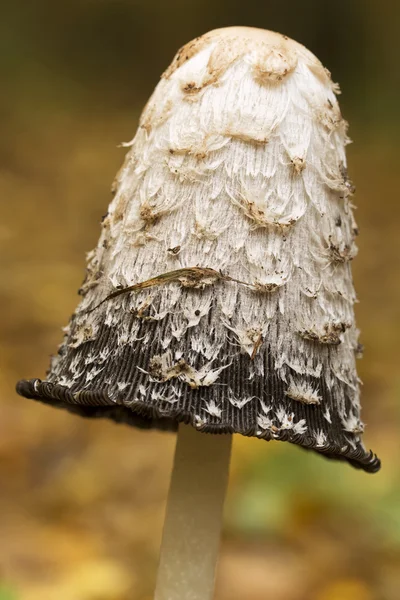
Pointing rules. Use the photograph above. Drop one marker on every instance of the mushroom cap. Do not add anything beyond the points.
(220, 293)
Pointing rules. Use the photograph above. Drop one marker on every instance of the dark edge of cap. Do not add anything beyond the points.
(141, 415)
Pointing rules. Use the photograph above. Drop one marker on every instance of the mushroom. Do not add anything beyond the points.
(219, 299)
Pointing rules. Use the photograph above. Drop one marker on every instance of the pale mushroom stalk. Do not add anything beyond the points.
(193, 519)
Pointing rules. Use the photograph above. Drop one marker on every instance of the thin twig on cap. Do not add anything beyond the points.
(188, 276)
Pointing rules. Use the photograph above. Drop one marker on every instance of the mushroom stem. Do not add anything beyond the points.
(193, 519)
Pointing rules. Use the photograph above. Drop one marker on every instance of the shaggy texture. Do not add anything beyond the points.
(220, 292)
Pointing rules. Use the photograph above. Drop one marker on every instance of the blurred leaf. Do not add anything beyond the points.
(7, 593)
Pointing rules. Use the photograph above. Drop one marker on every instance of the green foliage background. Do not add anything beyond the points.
(81, 504)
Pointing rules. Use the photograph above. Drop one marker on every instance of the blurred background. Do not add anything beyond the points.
(82, 503)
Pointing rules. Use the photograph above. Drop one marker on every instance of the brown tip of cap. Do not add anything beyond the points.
(233, 42)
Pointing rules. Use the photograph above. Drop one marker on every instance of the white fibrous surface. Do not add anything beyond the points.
(234, 200)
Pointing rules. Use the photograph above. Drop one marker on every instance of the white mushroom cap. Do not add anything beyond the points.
(232, 229)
